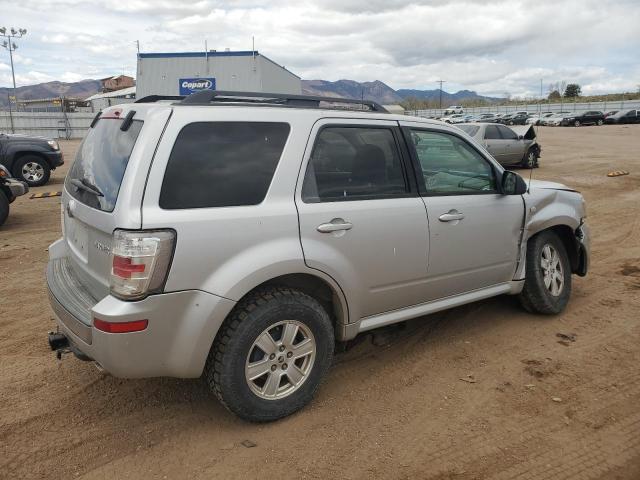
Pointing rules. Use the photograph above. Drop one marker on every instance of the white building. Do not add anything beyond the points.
(183, 73)
(104, 100)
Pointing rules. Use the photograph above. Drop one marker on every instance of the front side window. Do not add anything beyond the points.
(451, 166)
(354, 163)
(222, 164)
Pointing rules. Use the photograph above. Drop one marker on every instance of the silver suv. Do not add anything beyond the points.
(240, 236)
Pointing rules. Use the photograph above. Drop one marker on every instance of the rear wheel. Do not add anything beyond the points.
(32, 169)
(547, 285)
(271, 354)
(530, 159)
(4, 207)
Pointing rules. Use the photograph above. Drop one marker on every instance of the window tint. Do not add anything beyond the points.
(492, 133)
(451, 166)
(222, 164)
(354, 163)
(507, 133)
(100, 163)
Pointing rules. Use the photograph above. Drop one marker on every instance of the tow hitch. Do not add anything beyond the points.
(60, 344)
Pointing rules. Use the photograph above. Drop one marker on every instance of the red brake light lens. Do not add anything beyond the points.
(123, 267)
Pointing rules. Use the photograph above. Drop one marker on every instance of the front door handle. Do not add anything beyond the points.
(336, 225)
(451, 216)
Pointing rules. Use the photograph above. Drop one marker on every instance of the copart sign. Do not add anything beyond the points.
(191, 85)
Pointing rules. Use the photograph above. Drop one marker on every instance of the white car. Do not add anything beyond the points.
(457, 118)
(535, 119)
(555, 120)
(453, 109)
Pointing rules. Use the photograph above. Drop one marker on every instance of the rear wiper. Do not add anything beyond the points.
(86, 186)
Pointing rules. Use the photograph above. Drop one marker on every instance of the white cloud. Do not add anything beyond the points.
(491, 46)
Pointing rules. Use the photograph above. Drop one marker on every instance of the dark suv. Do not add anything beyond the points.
(591, 117)
(30, 159)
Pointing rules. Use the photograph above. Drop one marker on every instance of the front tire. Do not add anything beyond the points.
(530, 159)
(271, 354)
(32, 169)
(576, 123)
(547, 285)
(4, 207)
(600, 123)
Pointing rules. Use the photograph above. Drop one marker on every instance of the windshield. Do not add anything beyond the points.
(96, 175)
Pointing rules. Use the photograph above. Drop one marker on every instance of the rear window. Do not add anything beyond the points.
(222, 164)
(470, 130)
(96, 175)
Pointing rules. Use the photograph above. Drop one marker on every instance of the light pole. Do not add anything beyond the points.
(10, 45)
(440, 82)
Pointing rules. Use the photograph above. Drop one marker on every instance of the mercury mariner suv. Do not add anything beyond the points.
(240, 236)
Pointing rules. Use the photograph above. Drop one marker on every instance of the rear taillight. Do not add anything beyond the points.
(140, 262)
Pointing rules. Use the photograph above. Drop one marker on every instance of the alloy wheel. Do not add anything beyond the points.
(280, 360)
(552, 270)
(32, 172)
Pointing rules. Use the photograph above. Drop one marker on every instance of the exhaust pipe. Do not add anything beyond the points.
(58, 341)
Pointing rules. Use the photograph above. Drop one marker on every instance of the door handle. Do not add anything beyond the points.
(451, 216)
(336, 225)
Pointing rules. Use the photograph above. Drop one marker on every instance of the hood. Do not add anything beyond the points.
(527, 131)
(18, 137)
(545, 185)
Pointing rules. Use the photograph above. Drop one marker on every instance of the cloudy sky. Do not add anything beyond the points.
(493, 47)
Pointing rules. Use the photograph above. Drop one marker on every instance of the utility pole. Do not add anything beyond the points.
(441, 82)
(10, 45)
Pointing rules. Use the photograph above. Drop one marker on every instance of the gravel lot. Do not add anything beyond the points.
(399, 410)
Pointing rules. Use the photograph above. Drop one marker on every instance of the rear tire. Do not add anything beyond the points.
(547, 285)
(4, 207)
(530, 159)
(270, 354)
(32, 169)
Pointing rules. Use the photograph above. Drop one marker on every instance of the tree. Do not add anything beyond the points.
(572, 90)
(554, 95)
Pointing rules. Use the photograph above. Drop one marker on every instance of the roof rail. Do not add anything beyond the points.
(157, 98)
(206, 97)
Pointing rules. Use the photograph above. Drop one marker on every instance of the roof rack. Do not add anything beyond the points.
(157, 98)
(207, 97)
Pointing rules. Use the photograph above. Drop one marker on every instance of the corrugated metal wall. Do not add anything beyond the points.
(45, 124)
(160, 75)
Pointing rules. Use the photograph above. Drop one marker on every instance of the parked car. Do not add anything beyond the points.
(453, 109)
(610, 112)
(488, 118)
(303, 227)
(590, 117)
(518, 119)
(624, 116)
(508, 146)
(10, 189)
(29, 158)
(457, 118)
(535, 119)
(555, 119)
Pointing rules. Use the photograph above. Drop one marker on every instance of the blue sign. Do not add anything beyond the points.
(192, 85)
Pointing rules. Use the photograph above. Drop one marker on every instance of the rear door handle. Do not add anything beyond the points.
(450, 216)
(336, 225)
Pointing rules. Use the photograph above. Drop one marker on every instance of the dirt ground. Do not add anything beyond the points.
(539, 409)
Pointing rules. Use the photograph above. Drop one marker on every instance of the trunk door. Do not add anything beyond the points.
(103, 189)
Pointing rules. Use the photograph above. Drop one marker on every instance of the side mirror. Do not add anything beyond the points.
(513, 184)
(520, 137)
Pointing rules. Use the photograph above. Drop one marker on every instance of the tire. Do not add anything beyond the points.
(600, 123)
(32, 169)
(4, 207)
(530, 159)
(537, 296)
(262, 317)
(576, 123)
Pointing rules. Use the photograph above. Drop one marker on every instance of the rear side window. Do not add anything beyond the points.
(354, 163)
(222, 164)
(470, 130)
(102, 158)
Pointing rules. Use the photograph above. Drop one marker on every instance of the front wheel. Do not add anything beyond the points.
(32, 169)
(530, 159)
(4, 207)
(600, 123)
(547, 285)
(271, 354)
(576, 123)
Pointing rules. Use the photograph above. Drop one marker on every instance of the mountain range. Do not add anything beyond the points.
(375, 90)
